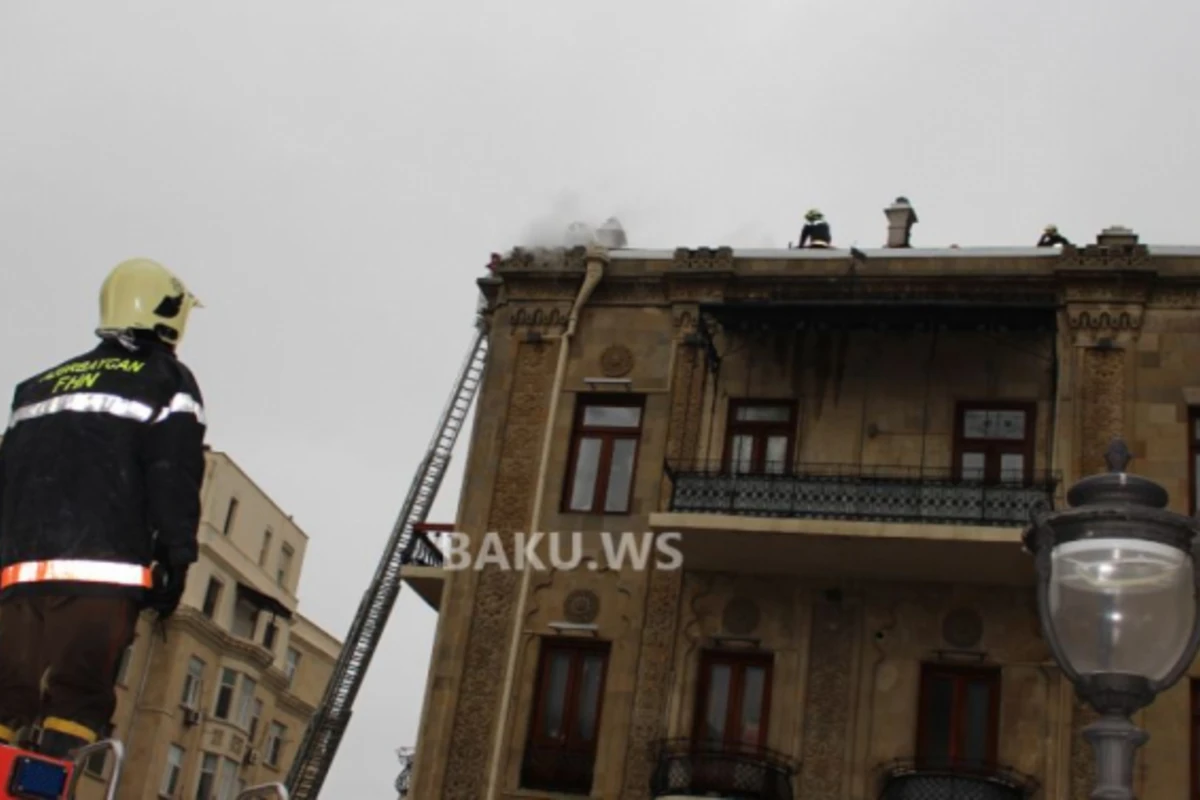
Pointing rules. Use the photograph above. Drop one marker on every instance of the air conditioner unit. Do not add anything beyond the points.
(251, 757)
(191, 716)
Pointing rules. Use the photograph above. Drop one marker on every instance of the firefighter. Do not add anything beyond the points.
(100, 475)
(816, 230)
(1051, 237)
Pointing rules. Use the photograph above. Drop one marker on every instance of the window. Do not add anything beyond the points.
(95, 764)
(266, 547)
(230, 516)
(225, 694)
(994, 442)
(228, 779)
(958, 715)
(734, 702)
(285, 564)
(1194, 456)
(255, 718)
(275, 734)
(123, 665)
(212, 597)
(245, 619)
(269, 635)
(603, 454)
(207, 782)
(192, 683)
(561, 750)
(246, 702)
(761, 436)
(170, 778)
(291, 665)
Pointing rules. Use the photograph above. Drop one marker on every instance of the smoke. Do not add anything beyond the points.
(550, 229)
(570, 222)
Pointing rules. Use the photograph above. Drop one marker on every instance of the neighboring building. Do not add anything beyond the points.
(223, 702)
(849, 443)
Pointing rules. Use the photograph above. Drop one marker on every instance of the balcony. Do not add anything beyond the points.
(857, 492)
(921, 779)
(864, 522)
(423, 567)
(689, 769)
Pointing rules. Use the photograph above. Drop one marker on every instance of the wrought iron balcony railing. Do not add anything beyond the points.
(425, 551)
(707, 769)
(948, 779)
(858, 492)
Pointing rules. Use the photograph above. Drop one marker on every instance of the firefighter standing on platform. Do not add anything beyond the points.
(100, 476)
(816, 230)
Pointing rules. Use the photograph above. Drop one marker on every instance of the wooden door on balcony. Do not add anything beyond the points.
(958, 717)
(561, 751)
(760, 437)
(732, 715)
(994, 442)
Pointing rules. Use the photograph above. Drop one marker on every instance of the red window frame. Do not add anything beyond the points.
(760, 431)
(608, 436)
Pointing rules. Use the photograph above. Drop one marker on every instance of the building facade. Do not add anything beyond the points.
(222, 701)
(849, 444)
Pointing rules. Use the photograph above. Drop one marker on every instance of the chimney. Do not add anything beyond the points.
(900, 216)
(611, 234)
(1117, 236)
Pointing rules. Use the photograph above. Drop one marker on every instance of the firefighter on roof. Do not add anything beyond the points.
(100, 474)
(1051, 237)
(816, 230)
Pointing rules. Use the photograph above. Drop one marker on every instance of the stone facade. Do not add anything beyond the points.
(285, 671)
(1115, 354)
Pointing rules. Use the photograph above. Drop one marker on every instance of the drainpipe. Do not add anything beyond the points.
(597, 258)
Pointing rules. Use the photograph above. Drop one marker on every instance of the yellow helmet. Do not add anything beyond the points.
(141, 294)
(813, 215)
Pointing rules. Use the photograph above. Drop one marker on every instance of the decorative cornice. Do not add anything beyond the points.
(192, 621)
(543, 260)
(1107, 257)
(539, 317)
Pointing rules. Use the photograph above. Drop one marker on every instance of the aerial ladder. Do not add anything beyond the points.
(328, 725)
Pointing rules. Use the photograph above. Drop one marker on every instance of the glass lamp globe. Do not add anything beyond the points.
(1122, 605)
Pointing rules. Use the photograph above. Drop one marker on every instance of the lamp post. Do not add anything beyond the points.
(1118, 604)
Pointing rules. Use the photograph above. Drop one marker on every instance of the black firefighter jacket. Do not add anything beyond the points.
(100, 473)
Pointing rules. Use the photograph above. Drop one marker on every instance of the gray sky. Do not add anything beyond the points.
(330, 178)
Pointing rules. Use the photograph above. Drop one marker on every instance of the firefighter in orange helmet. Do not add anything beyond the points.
(100, 474)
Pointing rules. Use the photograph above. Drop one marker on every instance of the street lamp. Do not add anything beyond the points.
(1118, 604)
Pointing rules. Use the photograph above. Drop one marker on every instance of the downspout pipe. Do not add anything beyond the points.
(597, 259)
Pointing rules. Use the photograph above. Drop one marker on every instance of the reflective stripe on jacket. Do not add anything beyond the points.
(101, 464)
(76, 570)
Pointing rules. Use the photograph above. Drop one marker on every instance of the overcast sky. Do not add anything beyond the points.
(330, 177)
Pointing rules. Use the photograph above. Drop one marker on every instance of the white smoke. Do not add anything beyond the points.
(564, 226)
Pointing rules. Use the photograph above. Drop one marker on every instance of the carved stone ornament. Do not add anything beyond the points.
(581, 607)
(962, 628)
(496, 590)
(616, 361)
(1092, 324)
(741, 616)
(539, 318)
